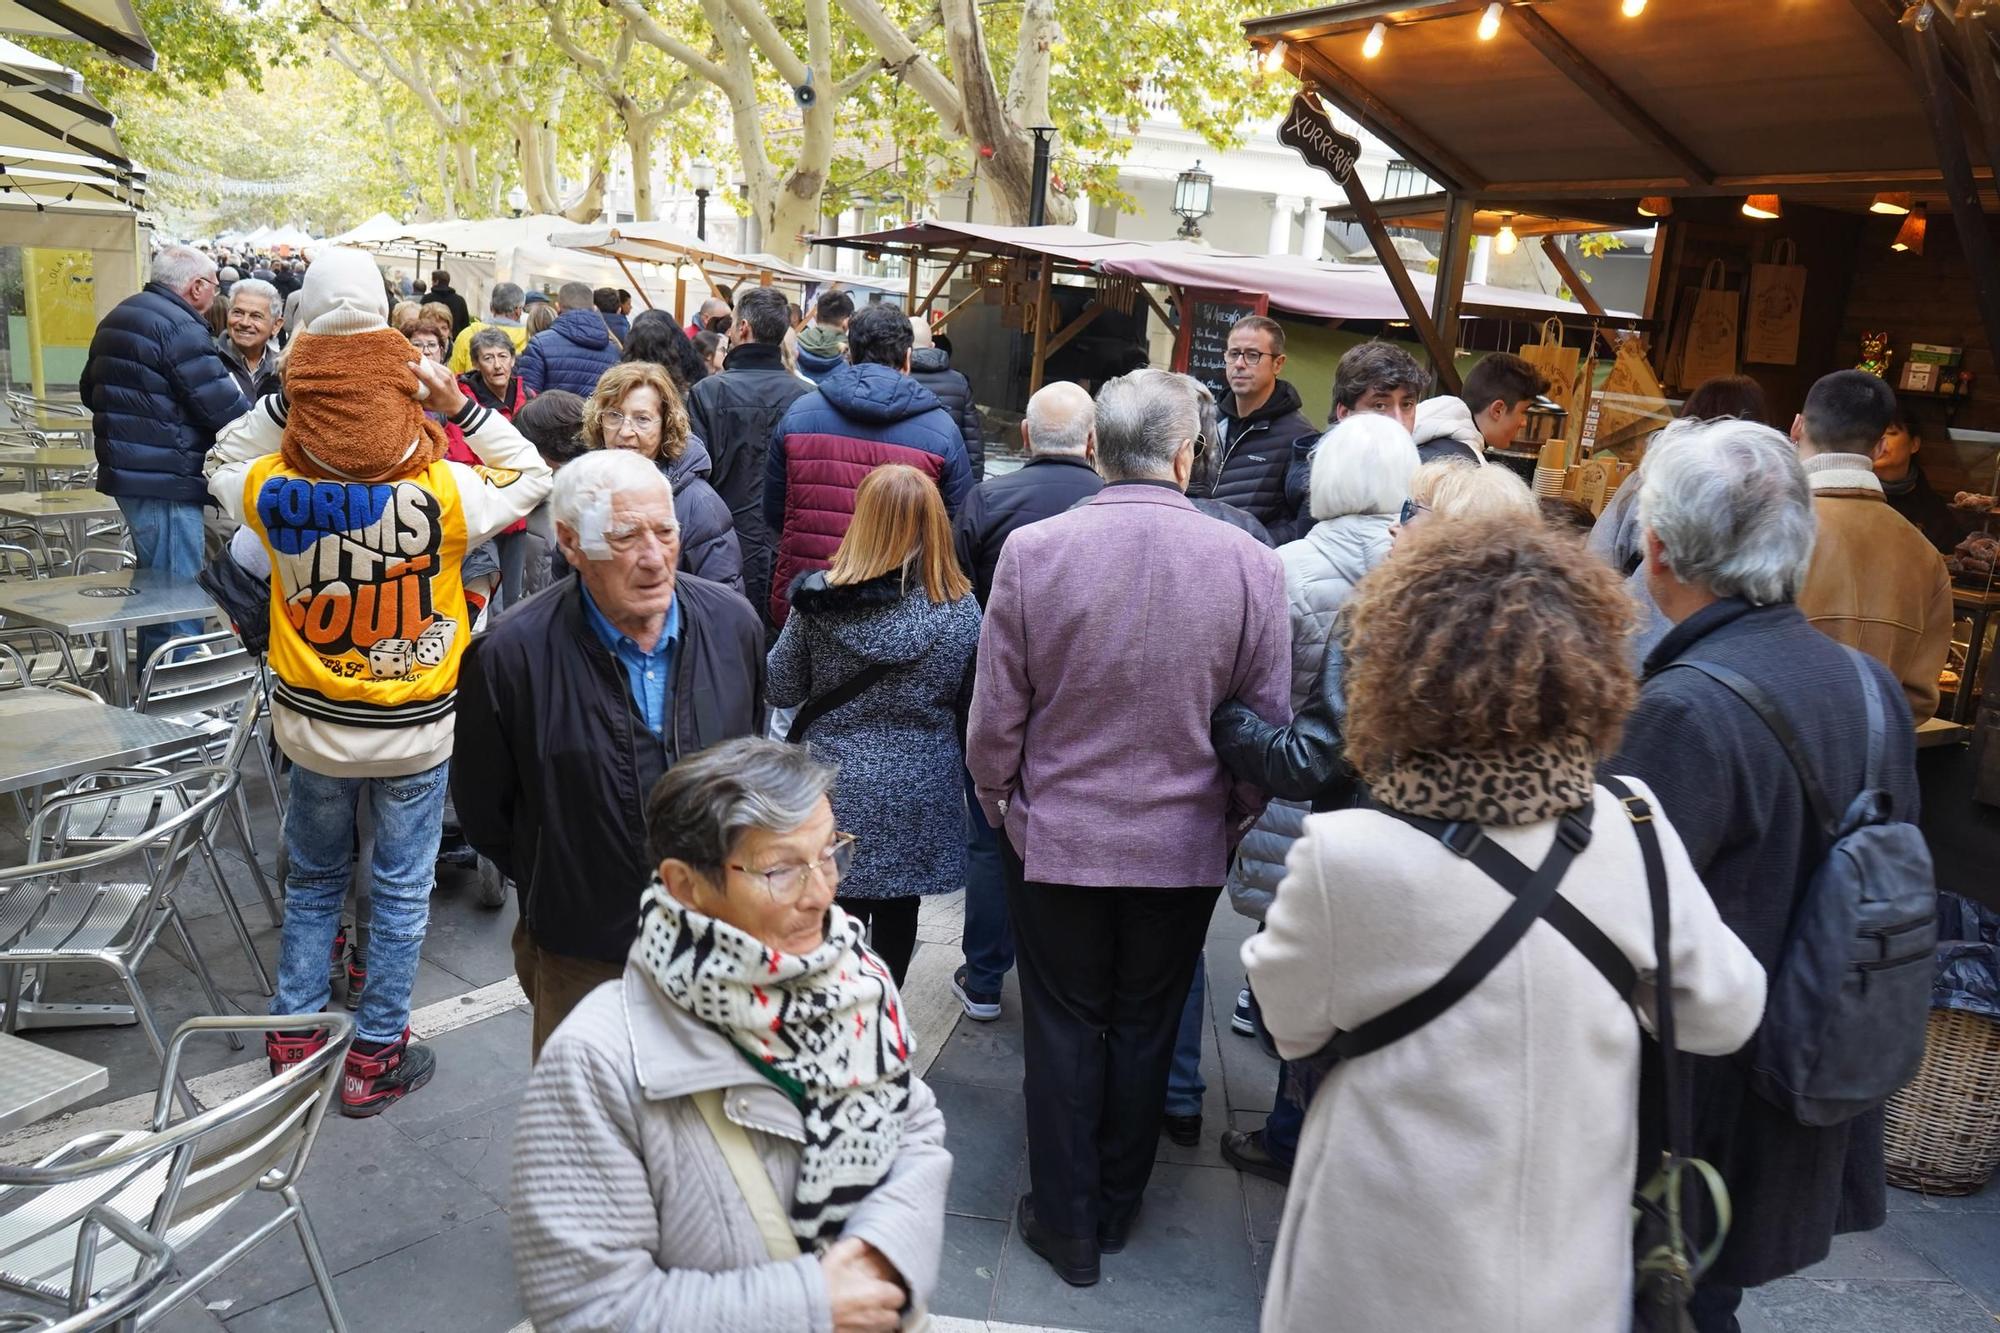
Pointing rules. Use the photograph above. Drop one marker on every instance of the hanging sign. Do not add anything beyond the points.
(1308, 131)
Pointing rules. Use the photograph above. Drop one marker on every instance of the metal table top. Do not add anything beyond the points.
(48, 736)
(94, 603)
(59, 504)
(55, 455)
(36, 1082)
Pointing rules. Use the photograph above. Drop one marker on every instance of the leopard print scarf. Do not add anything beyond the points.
(1519, 786)
(828, 1025)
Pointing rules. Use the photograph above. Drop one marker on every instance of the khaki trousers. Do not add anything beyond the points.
(555, 983)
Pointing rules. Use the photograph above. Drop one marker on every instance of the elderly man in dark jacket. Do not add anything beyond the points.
(734, 412)
(930, 366)
(1728, 535)
(1262, 425)
(158, 392)
(573, 705)
(866, 413)
(572, 353)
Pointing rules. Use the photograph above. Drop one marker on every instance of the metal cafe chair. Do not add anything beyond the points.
(103, 560)
(177, 1178)
(213, 672)
(68, 909)
(113, 1306)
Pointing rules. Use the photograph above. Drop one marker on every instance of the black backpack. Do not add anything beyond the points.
(1850, 995)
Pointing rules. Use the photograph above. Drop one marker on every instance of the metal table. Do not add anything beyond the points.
(73, 509)
(36, 1082)
(109, 604)
(57, 424)
(39, 462)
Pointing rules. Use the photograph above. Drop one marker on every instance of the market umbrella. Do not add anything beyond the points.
(59, 145)
(109, 25)
(32, 70)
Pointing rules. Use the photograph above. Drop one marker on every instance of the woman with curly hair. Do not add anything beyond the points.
(1477, 1172)
(637, 407)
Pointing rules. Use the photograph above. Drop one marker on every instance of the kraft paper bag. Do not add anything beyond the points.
(1711, 336)
(1777, 299)
(1556, 362)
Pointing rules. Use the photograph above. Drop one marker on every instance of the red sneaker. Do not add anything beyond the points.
(375, 1079)
(285, 1049)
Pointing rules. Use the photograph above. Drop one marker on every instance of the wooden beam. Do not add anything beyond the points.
(1663, 237)
(1067, 333)
(1454, 259)
(680, 295)
(945, 318)
(1346, 92)
(945, 276)
(1406, 291)
(1969, 216)
(1613, 100)
(1974, 31)
(1885, 17)
(632, 277)
(1357, 17)
(1578, 289)
(1043, 309)
(1159, 309)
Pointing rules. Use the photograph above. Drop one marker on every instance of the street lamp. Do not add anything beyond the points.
(517, 200)
(1192, 191)
(703, 172)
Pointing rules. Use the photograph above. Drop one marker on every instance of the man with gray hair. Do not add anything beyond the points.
(256, 312)
(572, 706)
(1089, 748)
(504, 302)
(158, 393)
(1727, 519)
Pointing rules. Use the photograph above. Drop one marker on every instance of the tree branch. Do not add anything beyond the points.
(1028, 87)
(902, 59)
(769, 41)
(671, 46)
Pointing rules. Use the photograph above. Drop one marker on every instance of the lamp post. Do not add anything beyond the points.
(1038, 192)
(517, 200)
(1193, 190)
(703, 172)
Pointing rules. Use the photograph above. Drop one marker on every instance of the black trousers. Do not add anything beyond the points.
(892, 928)
(1713, 1309)
(1104, 977)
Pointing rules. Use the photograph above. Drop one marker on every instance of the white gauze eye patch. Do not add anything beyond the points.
(593, 526)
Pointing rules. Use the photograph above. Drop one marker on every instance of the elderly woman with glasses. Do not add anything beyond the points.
(731, 1136)
(636, 407)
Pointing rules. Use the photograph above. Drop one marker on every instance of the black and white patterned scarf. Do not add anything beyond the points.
(829, 1025)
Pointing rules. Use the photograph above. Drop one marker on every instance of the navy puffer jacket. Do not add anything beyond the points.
(931, 367)
(571, 354)
(158, 391)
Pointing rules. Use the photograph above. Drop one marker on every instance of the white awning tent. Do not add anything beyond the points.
(381, 227)
(689, 267)
(24, 66)
(112, 26)
(478, 252)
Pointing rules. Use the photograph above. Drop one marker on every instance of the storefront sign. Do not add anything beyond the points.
(1308, 131)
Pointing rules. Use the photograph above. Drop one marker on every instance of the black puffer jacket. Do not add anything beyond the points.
(735, 413)
(552, 762)
(931, 367)
(158, 391)
(1250, 464)
(1039, 489)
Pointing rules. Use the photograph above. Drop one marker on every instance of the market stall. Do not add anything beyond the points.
(478, 252)
(661, 249)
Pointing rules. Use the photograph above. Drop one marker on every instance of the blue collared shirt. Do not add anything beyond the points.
(649, 676)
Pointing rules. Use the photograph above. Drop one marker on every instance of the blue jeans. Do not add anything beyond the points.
(989, 931)
(319, 839)
(1185, 1087)
(166, 535)
(1287, 1118)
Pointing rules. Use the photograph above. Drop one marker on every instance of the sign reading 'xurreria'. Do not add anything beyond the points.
(1307, 131)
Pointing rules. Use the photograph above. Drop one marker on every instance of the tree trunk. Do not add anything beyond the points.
(639, 145)
(467, 163)
(446, 178)
(1010, 172)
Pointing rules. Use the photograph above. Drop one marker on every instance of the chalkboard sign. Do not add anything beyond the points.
(1207, 316)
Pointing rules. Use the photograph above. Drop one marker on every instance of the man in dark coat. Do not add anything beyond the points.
(866, 413)
(158, 392)
(572, 353)
(1729, 532)
(930, 366)
(572, 706)
(1262, 425)
(447, 296)
(734, 412)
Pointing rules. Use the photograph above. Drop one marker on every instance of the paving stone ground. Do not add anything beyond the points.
(411, 1206)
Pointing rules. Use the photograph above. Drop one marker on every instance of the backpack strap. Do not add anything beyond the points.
(1640, 812)
(1759, 701)
(1533, 892)
(817, 707)
(746, 1168)
(1506, 870)
(1871, 695)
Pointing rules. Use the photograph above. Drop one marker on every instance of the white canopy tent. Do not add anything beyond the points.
(381, 227)
(478, 252)
(112, 26)
(695, 267)
(24, 65)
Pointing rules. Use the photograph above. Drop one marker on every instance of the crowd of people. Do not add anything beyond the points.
(729, 654)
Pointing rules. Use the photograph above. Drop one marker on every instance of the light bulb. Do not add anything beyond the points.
(1763, 207)
(1489, 22)
(1274, 57)
(1372, 47)
(1893, 203)
(1506, 242)
(1634, 8)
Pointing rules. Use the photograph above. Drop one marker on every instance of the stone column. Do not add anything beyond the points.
(1283, 208)
(1315, 228)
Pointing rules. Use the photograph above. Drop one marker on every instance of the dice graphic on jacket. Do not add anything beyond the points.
(434, 643)
(390, 658)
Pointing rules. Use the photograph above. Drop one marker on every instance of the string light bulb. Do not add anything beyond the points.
(1274, 58)
(1893, 202)
(1763, 207)
(1506, 242)
(1634, 8)
(1910, 236)
(1371, 46)
(1489, 22)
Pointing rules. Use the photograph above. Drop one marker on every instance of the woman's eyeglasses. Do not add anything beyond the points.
(784, 883)
(1410, 511)
(642, 423)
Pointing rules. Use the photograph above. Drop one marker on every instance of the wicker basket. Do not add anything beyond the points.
(1943, 1132)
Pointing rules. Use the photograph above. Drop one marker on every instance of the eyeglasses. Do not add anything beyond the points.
(640, 422)
(784, 883)
(1410, 511)
(1248, 356)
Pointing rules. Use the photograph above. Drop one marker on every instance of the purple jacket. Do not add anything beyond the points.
(1113, 632)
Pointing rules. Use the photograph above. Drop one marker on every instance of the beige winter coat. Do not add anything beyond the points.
(1477, 1174)
(624, 1215)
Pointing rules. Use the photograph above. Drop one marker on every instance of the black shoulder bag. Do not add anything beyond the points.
(817, 707)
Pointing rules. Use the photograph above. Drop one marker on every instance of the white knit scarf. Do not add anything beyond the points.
(828, 1024)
